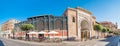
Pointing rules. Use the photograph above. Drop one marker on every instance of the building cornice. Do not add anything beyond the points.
(84, 10)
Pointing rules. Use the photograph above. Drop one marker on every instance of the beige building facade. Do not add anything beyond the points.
(80, 23)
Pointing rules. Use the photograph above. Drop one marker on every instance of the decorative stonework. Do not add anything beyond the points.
(83, 17)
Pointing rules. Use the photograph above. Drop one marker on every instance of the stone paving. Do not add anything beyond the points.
(95, 42)
(112, 41)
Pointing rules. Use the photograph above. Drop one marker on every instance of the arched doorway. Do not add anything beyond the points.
(85, 32)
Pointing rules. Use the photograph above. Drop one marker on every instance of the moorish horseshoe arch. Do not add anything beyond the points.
(85, 30)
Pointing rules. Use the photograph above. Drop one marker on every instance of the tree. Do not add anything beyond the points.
(98, 28)
(104, 30)
(13, 32)
(26, 28)
(116, 33)
(108, 29)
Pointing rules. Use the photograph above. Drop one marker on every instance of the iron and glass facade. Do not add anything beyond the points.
(48, 22)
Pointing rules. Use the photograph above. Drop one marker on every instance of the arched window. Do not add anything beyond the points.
(58, 24)
(73, 19)
(40, 25)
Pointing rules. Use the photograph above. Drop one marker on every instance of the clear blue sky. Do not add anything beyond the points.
(103, 10)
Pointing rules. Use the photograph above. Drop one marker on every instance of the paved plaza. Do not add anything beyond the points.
(112, 41)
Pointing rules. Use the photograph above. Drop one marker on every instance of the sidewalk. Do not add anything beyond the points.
(31, 42)
(94, 42)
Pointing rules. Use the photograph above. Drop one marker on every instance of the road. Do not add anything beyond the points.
(7, 42)
(12, 42)
(113, 41)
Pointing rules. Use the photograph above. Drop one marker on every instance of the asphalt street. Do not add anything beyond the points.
(12, 42)
(7, 42)
(113, 41)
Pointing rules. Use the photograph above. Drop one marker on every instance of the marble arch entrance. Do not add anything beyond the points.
(85, 32)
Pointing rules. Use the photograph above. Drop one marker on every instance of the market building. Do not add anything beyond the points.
(75, 23)
(46, 23)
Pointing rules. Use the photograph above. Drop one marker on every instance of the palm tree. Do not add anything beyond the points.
(26, 28)
(98, 28)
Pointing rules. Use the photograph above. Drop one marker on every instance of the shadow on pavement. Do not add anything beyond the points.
(1, 43)
(113, 41)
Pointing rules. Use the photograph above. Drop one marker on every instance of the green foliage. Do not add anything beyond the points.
(13, 31)
(104, 30)
(98, 27)
(26, 27)
(116, 33)
(110, 31)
